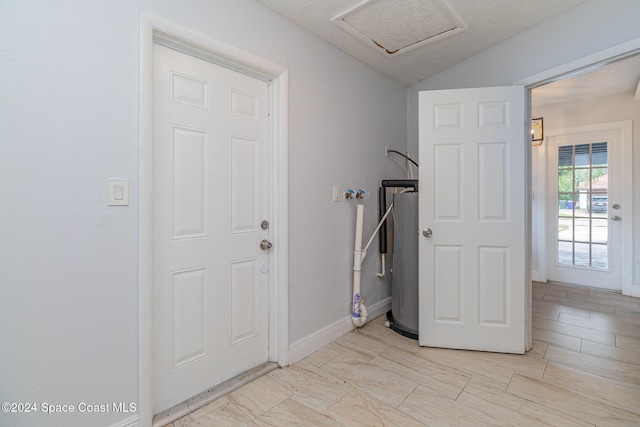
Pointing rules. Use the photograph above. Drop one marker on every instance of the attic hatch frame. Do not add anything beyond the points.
(457, 26)
(575, 68)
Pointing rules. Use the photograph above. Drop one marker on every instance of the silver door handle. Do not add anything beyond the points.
(427, 232)
(265, 245)
(616, 218)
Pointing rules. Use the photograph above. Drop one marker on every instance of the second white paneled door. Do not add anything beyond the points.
(473, 222)
(210, 184)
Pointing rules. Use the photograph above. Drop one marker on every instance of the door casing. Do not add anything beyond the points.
(572, 69)
(154, 29)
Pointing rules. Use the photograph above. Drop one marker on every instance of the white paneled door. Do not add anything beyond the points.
(210, 182)
(472, 216)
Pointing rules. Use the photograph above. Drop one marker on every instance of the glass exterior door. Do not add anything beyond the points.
(583, 190)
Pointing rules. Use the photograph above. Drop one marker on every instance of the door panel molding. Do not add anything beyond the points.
(155, 29)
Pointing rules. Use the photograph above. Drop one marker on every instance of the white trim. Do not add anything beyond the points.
(152, 27)
(539, 183)
(582, 65)
(325, 336)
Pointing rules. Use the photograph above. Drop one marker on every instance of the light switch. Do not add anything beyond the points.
(118, 192)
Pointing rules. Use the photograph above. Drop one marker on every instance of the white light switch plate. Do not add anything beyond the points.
(118, 192)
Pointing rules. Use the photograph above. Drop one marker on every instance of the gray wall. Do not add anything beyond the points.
(69, 121)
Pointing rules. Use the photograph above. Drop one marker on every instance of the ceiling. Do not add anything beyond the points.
(411, 40)
(615, 78)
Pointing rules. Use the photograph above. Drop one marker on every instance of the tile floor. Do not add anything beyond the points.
(583, 370)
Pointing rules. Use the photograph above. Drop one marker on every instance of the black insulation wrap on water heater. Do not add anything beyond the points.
(382, 205)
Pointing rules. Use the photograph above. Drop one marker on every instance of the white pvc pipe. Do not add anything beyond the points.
(358, 309)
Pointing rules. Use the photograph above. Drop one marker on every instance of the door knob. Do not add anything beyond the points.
(427, 232)
(265, 245)
(616, 218)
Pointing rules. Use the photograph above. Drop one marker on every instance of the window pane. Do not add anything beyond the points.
(582, 230)
(565, 229)
(599, 205)
(599, 230)
(565, 253)
(599, 155)
(565, 205)
(582, 180)
(581, 255)
(565, 180)
(599, 257)
(565, 156)
(582, 155)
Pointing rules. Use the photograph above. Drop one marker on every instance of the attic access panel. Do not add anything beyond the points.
(393, 27)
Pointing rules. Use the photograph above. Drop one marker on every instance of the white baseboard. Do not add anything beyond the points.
(537, 276)
(132, 421)
(325, 336)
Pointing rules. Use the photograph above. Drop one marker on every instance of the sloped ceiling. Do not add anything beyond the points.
(618, 77)
(411, 40)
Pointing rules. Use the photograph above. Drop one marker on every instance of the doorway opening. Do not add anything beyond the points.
(579, 211)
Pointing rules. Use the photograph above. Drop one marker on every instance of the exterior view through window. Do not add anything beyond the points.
(582, 205)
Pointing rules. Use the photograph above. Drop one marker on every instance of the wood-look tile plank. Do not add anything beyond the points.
(361, 343)
(324, 355)
(625, 305)
(374, 380)
(596, 304)
(513, 409)
(259, 396)
(628, 343)
(615, 370)
(409, 367)
(538, 348)
(552, 309)
(571, 403)
(359, 409)
(598, 324)
(226, 415)
(291, 413)
(207, 408)
(613, 393)
(310, 389)
(574, 331)
(470, 363)
(630, 310)
(561, 340)
(607, 352)
(434, 409)
(623, 319)
(613, 295)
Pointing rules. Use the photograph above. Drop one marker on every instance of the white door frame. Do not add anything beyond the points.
(574, 68)
(157, 29)
(624, 130)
